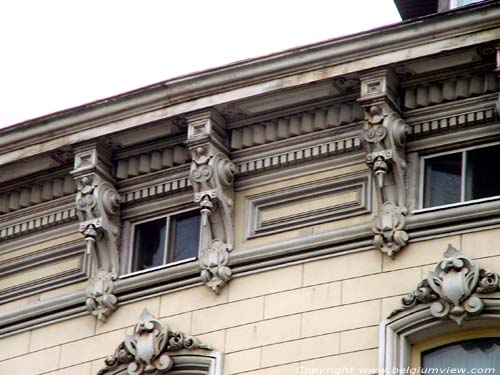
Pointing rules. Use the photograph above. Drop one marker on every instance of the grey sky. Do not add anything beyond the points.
(57, 54)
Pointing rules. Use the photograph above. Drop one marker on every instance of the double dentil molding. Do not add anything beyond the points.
(453, 290)
(148, 349)
(384, 136)
(98, 210)
(212, 177)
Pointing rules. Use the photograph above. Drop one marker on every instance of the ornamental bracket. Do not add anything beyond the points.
(384, 135)
(148, 350)
(98, 205)
(453, 289)
(212, 177)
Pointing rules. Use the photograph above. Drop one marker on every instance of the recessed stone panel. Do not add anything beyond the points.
(307, 204)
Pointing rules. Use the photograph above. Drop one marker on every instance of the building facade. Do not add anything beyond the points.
(331, 209)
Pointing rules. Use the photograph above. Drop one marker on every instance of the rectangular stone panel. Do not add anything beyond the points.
(43, 270)
(307, 204)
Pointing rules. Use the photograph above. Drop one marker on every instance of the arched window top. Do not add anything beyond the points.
(153, 349)
(456, 301)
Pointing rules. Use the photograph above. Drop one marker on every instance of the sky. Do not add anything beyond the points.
(58, 54)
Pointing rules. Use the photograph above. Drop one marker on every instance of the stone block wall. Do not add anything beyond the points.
(318, 314)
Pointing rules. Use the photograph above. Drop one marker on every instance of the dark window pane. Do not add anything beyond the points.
(483, 176)
(442, 180)
(149, 244)
(185, 236)
(471, 354)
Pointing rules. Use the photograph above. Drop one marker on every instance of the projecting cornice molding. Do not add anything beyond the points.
(331, 59)
(453, 289)
(36, 193)
(453, 88)
(149, 350)
(456, 117)
(285, 127)
(147, 162)
(212, 177)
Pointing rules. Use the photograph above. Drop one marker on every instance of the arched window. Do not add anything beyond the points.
(451, 310)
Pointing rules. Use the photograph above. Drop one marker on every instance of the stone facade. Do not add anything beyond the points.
(306, 173)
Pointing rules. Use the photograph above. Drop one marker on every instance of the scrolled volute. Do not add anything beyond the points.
(212, 176)
(149, 349)
(384, 135)
(98, 209)
(453, 290)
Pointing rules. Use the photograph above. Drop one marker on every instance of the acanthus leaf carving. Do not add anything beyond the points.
(453, 289)
(213, 262)
(98, 210)
(384, 136)
(101, 301)
(148, 350)
(388, 224)
(212, 177)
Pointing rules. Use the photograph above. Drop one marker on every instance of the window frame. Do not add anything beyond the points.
(417, 324)
(130, 240)
(411, 332)
(463, 202)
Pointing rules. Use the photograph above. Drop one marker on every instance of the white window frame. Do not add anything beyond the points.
(129, 246)
(462, 202)
(398, 334)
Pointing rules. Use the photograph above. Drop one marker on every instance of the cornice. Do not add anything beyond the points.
(402, 41)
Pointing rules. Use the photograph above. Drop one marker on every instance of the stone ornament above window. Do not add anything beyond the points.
(453, 289)
(149, 350)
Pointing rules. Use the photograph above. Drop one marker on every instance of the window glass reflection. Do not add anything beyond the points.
(443, 180)
(470, 355)
(149, 245)
(185, 231)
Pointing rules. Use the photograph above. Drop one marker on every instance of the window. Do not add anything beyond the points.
(461, 176)
(165, 240)
(417, 342)
(430, 330)
(473, 355)
(462, 3)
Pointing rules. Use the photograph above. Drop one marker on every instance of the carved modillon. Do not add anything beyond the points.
(384, 134)
(212, 176)
(148, 350)
(453, 289)
(98, 205)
